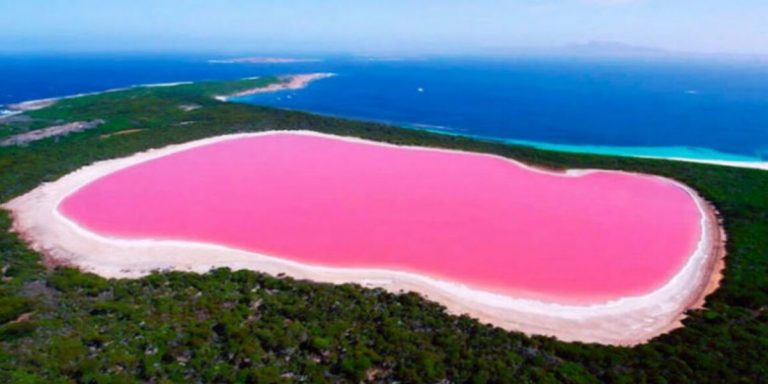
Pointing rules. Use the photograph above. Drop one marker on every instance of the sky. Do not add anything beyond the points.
(380, 27)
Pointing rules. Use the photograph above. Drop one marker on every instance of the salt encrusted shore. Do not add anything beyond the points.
(627, 321)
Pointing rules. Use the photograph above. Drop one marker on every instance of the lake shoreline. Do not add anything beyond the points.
(623, 322)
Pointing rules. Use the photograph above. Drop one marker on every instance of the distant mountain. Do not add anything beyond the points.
(612, 48)
(617, 49)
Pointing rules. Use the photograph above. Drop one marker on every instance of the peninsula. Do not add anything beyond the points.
(106, 275)
(622, 277)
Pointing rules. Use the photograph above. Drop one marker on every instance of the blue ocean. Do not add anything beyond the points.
(669, 107)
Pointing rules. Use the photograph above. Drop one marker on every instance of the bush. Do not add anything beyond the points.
(12, 307)
(70, 280)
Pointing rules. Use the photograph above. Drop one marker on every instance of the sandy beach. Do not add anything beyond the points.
(288, 82)
(31, 105)
(626, 321)
(763, 166)
(299, 81)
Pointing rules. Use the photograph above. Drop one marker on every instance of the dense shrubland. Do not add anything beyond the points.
(58, 324)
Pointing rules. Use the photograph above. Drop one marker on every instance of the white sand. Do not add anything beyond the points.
(294, 82)
(737, 164)
(32, 105)
(627, 321)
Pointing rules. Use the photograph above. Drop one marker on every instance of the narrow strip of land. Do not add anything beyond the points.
(290, 82)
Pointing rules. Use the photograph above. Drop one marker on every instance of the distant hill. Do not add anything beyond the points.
(612, 48)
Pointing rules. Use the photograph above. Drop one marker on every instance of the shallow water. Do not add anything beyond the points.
(694, 108)
(471, 219)
(665, 108)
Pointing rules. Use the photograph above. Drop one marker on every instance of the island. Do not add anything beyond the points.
(263, 60)
(81, 199)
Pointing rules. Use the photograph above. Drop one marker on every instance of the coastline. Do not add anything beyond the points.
(32, 105)
(640, 152)
(299, 81)
(758, 165)
(691, 155)
(627, 321)
(286, 83)
(763, 166)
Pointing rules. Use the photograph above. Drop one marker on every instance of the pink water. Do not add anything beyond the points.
(478, 220)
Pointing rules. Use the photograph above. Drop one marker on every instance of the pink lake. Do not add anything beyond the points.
(478, 220)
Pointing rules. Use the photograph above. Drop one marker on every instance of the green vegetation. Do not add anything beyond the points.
(62, 325)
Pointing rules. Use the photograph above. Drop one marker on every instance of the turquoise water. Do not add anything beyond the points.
(695, 110)
(691, 108)
(649, 152)
(657, 152)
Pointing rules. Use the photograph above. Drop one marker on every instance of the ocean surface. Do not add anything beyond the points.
(693, 108)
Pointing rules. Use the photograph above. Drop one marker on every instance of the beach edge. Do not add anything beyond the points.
(625, 322)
